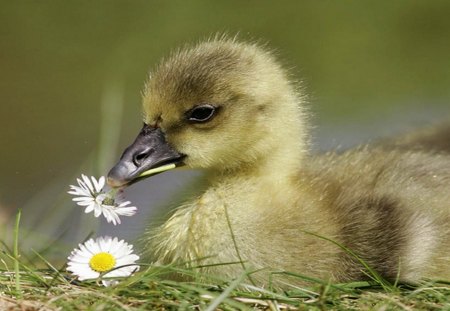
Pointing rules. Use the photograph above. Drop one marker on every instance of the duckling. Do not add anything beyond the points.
(269, 205)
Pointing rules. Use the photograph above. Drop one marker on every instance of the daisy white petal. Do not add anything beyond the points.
(86, 203)
(124, 260)
(126, 211)
(98, 185)
(105, 245)
(82, 199)
(102, 256)
(92, 246)
(90, 194)
(117, 245)
(77, 191)
(110, 214)
(89, 208)
(88, 183)
(82, 185)
(97, 210)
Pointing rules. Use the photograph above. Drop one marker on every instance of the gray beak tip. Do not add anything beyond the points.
(149, 150)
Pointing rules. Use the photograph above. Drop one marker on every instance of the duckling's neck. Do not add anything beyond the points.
(276, 167)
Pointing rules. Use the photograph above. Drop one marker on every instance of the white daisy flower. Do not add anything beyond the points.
(96, 257)
(90, 194)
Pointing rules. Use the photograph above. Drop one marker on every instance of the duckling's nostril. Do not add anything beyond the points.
(140, 157)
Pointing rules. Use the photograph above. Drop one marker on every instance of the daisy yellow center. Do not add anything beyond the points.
(102, 262)
(108, 201)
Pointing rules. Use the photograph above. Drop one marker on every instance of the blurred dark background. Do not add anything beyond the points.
(71, 73)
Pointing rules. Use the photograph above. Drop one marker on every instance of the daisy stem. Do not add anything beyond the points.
(112, 193)
(16, 254)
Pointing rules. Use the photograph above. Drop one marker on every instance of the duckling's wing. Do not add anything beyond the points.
(433, 138)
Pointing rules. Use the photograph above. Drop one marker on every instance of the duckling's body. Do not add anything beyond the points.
(388, 211)
(228, 108)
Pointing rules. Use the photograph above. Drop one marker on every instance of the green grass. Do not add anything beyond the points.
(46, 289)
(54, 289)
(38, 285)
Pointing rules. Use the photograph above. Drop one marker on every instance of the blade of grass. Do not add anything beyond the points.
(31, 272)
(312, 280)
(193, 290)
(16, 254)
(53, 268)
(216, 302)
(233, 238)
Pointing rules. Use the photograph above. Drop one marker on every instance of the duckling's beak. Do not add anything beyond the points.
(148, 155)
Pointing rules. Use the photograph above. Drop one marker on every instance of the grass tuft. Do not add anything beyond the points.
(52, 289)
(29, 286)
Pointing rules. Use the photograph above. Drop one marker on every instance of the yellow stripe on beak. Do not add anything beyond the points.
(159, 169)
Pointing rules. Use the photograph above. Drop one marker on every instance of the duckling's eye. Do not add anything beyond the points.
(201, 113)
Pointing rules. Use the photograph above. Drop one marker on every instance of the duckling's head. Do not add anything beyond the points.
(220, 105)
